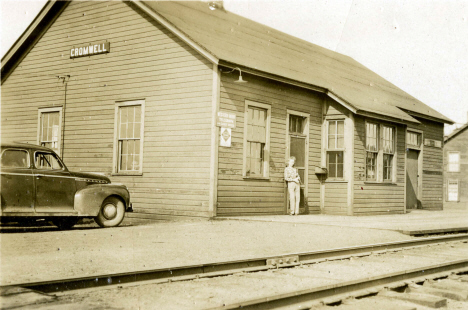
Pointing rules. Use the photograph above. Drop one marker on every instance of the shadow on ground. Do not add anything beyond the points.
(39, 226)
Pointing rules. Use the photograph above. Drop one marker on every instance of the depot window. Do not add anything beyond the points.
(128, 147)
(256, 140)
(413, 139)
(49, 131)
(335, 149)
(380, 152)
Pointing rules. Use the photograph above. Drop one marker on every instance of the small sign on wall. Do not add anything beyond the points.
(225, 139)
(226, 120)
(434, 143)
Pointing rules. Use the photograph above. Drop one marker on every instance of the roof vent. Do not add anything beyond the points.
(216, 5)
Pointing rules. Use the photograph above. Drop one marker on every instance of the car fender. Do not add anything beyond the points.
(89, 200)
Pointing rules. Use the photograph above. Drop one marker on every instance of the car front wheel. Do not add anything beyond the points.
(112, 212)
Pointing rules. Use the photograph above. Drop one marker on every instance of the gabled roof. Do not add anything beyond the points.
(238, 40)
(229, 39)
(455, 133)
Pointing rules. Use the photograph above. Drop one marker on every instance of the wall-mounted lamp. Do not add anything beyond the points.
(240, 80)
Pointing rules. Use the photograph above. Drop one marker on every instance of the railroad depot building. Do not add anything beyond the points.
(456, 169)
(149, 93)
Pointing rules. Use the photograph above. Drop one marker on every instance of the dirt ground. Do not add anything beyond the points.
(88, 251)
(207, 293)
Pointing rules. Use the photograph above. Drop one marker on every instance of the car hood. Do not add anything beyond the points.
(87, 176)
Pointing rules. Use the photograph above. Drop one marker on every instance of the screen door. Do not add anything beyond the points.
(297, 144)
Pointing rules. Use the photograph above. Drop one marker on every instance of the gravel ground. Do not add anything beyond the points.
(215, 292)
(88, 251)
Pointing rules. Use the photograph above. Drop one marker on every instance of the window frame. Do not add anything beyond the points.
(59, 160)
(335, 149)
(115, 164)
(380, 153)
(457, 163)
(376, 153)
(40, 111)
(266, 150)
(420, 137)
(16, 149)
(392, 164)
(458, 190)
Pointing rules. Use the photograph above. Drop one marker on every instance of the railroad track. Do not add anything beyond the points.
(230, 267)
(336, 293)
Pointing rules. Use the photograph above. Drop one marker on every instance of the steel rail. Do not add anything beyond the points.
(303, 298)
(229, 267)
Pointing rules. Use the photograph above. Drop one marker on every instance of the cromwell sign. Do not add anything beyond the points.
(90, 49)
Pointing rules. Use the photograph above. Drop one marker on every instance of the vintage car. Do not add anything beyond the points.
(36, 184)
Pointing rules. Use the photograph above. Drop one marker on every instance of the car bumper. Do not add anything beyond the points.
(130, 208)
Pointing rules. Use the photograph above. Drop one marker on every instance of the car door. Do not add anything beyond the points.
(17, 189)
(55, 187)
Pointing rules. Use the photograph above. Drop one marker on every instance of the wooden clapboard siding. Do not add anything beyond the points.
(146, 61)
(336, 198)
(432, 165)
(335, 193)
(239, 196)
(378, 198)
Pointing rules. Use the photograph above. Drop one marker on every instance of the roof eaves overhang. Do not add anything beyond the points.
(176, 31)
(425, 116)
(389, 118)
(271, 76)
(49, 12)
(285, 80)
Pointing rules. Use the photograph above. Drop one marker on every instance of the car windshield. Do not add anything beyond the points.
(47, 161)
(15, 159)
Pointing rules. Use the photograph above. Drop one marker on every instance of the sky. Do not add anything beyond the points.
(421, 46)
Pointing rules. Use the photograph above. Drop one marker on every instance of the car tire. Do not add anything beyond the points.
(65, 223)
(112, 213)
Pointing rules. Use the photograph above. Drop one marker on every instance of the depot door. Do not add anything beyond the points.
(412, 179)
(297, 146)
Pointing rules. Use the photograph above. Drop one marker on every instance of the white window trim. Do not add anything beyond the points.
(48, 110)
(394, 159)
(411, 146)
(458, 190)
(343, 149)
(378, 170)
(380, 154)
(266, 166)
(115, 160)
(448, 161)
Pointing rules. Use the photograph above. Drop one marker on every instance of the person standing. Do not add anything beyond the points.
(294, 188)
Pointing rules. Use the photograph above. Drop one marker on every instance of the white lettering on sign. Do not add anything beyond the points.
(227, 120)
(89, 50)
